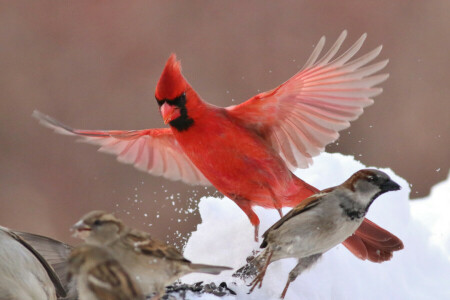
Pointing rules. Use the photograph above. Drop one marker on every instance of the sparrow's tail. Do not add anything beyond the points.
(208, 269)
(372, 242)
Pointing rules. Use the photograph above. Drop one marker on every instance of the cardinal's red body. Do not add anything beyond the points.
(248, 151)
(240, 164)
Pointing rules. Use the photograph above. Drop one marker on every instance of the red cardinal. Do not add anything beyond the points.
(248, 151)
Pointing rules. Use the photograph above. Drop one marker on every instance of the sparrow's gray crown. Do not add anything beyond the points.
(368, 184)
(98, 227)
(97, 218)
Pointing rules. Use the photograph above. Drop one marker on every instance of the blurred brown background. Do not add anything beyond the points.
(94, 65)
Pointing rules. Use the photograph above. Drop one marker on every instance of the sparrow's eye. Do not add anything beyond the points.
(97, 222)
(371, 178)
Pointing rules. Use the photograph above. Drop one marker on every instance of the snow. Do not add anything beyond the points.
(420, 271)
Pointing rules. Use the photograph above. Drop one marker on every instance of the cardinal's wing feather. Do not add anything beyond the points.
(304, 114)
(155, 151)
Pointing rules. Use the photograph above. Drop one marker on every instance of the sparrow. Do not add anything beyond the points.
(248, 151)
(152, 263)
(56, 254)
(24, 272)
(319, 223)
(99, 276)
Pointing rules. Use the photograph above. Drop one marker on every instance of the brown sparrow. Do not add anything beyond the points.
(24, 272)
(99, 276)
(152, 263)
(320, 222)
(56, 254)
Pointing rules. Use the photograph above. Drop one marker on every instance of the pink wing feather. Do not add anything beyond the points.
(151, 150)
(304, 114)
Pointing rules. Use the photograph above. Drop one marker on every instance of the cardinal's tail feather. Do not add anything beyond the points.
(304, 190)
(372, 242)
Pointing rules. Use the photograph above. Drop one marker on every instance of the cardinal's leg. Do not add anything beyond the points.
(280, 212)
(247, 208)
(276, 202)
(302, 265)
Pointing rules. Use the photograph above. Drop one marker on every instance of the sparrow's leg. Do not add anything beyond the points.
(259, 278)
(156, 297)
(251, 268)
(302, 265)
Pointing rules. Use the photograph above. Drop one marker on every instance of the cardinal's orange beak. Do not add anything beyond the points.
(169, 112)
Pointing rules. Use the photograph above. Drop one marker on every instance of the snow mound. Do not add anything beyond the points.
(420, 271)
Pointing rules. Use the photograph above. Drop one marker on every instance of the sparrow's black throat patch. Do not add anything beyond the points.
(352, 210)
(183, 122)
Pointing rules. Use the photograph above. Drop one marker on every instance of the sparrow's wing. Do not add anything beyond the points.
(60, 291)
(110, 281)
(304, 114)
(155, 151)
(146, 245)
(305, 205)
(53, 251)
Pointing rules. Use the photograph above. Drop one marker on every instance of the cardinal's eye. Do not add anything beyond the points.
(179, 101)
(160, 102)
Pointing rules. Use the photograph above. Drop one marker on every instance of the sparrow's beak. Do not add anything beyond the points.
(390, 186)
(81, 230)
(169, 112)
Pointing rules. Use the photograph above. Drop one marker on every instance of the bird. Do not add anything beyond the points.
(151, 262)
(56, 254)
(24, 272)
(99, 276)
(319, 223)
(249, 151)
